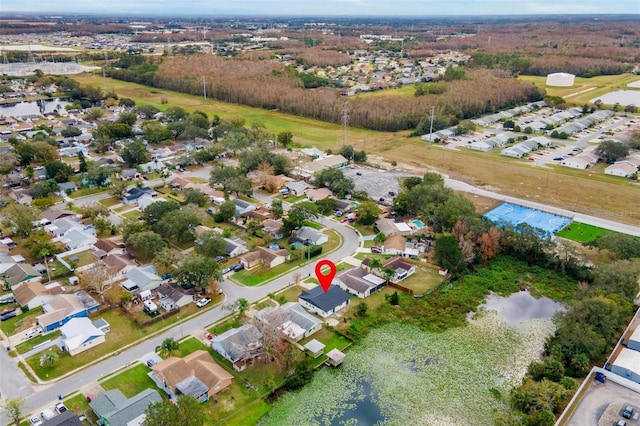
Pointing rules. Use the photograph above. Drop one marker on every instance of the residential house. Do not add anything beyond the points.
(318, 194)
(117, 265)
(170, 298)
(103, 248)
(291, 320)
(66, 188)
(239, 345)
(8, 243)
(180, 183)
(398, 245)
(243, 207)
(323, 303)
(114, 409)
(152, 166)
(401, 267)
(80, 334)
(235, 247)
(582, 161)
(263, 256)
(344, 206)
(34, 294)
(64, 307)
(359, 282)
(66, 418)
(298, 187)
(310, 236)
(307, 170)
(197, 375)
(142, 278)
(133, 195)
(389, 227)
(273, 227)
(78, 238)
(624, 167)
(129, 174)
(21, 273)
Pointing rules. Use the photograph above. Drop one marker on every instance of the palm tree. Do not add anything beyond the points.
(168, 346)
(375, 265)
(49, 359)
(388, 273)
(379, 238)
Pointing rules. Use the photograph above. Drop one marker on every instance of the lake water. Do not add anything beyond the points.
(522, 306)
(32, 108)
(365, 411)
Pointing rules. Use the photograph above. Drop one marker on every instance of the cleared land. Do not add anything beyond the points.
(584, 89)
(582, 191)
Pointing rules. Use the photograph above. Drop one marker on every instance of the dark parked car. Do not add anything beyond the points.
(166, 276)
(237, 267)
(7, 315)
(628, 412)
(375, 249)
(220, 259)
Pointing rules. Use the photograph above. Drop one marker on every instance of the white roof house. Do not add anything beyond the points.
(627, 365)
(80, 334)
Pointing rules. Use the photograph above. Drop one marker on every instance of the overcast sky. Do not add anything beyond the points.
(322, 7)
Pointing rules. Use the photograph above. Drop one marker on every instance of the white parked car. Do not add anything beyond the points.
(47, 414)
(35, 421)
(60, 408)
(203, 302)
(31, 333)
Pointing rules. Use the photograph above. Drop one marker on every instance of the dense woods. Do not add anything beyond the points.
(270, 85)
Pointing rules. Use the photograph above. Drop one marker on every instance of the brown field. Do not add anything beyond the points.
(581, 191)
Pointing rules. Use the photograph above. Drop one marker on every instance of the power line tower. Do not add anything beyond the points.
(204, 88)
(345, 122)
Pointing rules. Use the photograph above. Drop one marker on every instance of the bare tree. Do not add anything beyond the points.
(96, 279)
(276, 347)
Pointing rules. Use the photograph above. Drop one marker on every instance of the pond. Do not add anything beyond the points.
(522, 306)
(401, 375)
(32, 107)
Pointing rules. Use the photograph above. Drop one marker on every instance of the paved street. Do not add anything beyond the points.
(13, 383)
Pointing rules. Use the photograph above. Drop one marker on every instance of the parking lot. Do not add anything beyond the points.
(602, 404)
(377, 183)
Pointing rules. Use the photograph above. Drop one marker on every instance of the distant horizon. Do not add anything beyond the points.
(327, 9)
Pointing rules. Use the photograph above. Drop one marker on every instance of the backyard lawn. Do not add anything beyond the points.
(331, 340)
(132, 381)
(84, 258)
(581, 232)
(423, 280)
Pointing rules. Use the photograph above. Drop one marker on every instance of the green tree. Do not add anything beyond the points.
(13, 408)
(70, 132)
(96, 175)
(148, 242)
(187, 411)
(49, 359)
(135, 152)
(178, 225)
(59, 171)
(612, 151)
(167, 258)
(618, 277)
(236, 141)
(394, 299)
(21, 219)
(368, 213)
(380, 238)
(82, 162)
(361, 310)
(154, 212)
(195, 196)
(8, 161)
(227, 210)
(285, 138)
(118, 188)
(326, 206)
(147, 111)
(155, 132)
(175, 113)
(168, 347)
(335, 180)
(211, 244)
(44, 188)
(448, 253)
(623, 246)
(241, 305)
(128, 118)
(277, 209)
(197, 270)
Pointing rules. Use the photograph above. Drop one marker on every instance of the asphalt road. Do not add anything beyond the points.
(13, 383)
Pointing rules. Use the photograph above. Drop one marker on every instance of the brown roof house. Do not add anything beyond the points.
(263, 256)
(196, 374)
(35, 294)
(104, 247)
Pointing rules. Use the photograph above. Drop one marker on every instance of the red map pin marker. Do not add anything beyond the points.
(325, 280)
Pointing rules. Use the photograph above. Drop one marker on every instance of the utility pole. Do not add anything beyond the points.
(345, 122)
(204, 88)
(431, 126)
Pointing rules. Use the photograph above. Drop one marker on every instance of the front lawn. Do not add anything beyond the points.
(22, 321)
(79, 405)
(110, 202)
(83, 192)
(29, 344)
(132, 381)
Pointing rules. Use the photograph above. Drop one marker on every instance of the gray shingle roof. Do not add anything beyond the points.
(328, 301)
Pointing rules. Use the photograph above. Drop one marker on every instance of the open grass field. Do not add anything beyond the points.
(305, 131)
(581, 232)
(582, 191)
(585, 89)
(423, 280)
(577, 190)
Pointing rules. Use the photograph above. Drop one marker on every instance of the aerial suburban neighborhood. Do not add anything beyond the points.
(170, 188)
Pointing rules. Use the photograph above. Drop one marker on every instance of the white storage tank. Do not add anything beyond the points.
(560, 79)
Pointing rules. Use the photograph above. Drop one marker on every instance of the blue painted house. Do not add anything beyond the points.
(64, 307)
